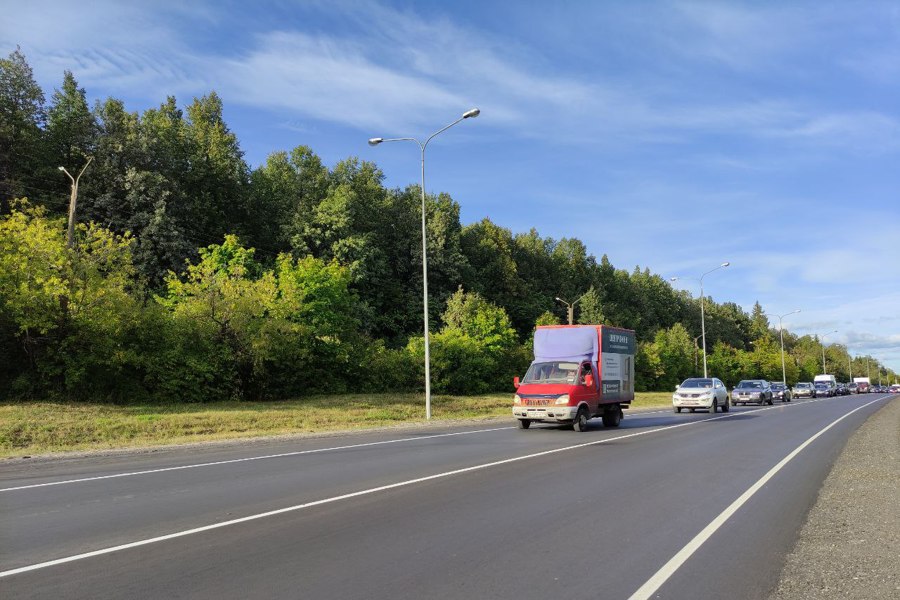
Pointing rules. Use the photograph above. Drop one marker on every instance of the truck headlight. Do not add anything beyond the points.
(564, 399)
(517, 399)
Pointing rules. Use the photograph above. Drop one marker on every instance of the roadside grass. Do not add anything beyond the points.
(32, 428)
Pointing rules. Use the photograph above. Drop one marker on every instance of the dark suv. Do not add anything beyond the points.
(781, 392)
(823, 390)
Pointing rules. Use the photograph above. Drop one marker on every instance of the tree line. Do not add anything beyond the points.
(196, 277)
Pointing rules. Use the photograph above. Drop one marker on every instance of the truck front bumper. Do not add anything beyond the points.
(551, 414)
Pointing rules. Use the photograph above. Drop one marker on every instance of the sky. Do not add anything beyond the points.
(667, 135)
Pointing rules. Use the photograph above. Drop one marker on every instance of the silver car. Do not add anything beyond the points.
(804, 389)
(700, 392)
(758, 391)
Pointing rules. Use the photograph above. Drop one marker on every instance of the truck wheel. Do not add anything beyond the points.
(677, 409)
(524, 423)
(612, 418)
(715, 405)
(581, 419)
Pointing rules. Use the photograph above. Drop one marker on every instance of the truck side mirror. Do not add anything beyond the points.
(516, 382)
(589, 380)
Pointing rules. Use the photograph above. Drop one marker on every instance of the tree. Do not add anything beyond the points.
(759, 323)
(591, 312)
(675, 348)
(71, 135)
(283, 194)
(72, 309)
(22, 118)
(492, 271)
(217, 183)
(472, 315)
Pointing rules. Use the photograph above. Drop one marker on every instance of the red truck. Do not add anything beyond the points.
(578, 372)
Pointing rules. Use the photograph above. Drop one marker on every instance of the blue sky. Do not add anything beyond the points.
(669, 135)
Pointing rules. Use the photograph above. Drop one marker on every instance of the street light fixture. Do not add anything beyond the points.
(781, 334)
(702, 314)
(822, 337)
(571, 307)
(374, 142)
(73, 201)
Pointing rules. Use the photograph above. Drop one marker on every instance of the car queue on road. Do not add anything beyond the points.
(711, 394)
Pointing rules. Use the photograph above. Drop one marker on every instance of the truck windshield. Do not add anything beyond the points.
(551, 372)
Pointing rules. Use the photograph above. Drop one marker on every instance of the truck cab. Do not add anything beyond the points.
(575, 376)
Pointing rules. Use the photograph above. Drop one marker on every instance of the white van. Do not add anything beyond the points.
(829, 379)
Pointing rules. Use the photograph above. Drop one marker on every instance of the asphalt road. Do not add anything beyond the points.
(669, 506)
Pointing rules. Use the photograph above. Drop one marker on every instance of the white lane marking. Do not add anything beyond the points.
(382, 488)
(247, 459)
(269, 456)
(653, 584)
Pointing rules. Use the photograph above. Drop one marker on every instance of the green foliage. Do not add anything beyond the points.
(591, 309)
(547, 318)
(71, 128)
(470, 314)
(323, 293)
(22, 118)
(476, 351)
(675, 349)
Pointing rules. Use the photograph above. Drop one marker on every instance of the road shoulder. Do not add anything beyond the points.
(849, 546)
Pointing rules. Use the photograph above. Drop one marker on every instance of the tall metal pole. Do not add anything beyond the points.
(781, 334)
(425, 296)
(703, 326)
(702, 311)
(374, 142)
(696, 348)
(73, 201)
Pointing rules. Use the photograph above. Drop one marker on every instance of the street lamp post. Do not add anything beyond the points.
(781, 334)
(73, 201)
(374, 142)
(696, 347)
(702, 315)
(571, 308)
(822, 337)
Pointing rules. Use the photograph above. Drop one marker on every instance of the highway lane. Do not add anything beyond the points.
(597, 520)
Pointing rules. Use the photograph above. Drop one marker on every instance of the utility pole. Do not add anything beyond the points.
(73, 201)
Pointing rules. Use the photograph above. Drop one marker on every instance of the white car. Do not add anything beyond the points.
(700, 392)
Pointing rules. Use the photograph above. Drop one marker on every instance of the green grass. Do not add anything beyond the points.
(30, 428)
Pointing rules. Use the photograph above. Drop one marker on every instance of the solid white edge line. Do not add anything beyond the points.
(279, 511)
(247, 459)
(667, 570)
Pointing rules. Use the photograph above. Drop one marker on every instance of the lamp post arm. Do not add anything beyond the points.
(442, 130)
